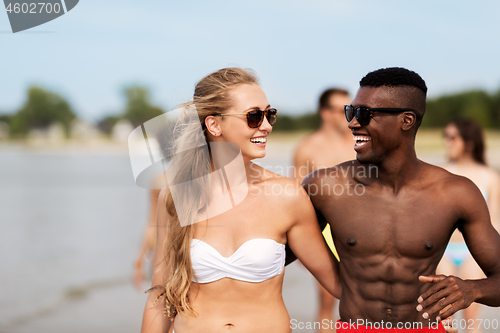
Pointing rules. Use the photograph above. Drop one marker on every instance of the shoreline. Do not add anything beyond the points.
(281, 145)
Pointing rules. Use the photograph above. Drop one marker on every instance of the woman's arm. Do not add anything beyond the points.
(154, 320)
(307, 243)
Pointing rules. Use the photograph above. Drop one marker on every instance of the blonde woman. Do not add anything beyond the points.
(226, 272)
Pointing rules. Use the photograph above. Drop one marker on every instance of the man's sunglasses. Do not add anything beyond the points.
(363, 113)
(255, 118)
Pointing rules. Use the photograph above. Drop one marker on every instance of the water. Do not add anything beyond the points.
(69, 223)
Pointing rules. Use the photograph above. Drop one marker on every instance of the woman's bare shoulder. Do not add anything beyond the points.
(279, 186)
(494, 175)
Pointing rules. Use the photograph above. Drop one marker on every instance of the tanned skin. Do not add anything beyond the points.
(391, 237)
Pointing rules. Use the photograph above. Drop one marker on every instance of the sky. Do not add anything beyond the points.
(296, 48)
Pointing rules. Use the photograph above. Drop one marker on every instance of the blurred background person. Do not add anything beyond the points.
(330, 145)
(162, 141)
(143, 264)
(465, 148)
(148, 244)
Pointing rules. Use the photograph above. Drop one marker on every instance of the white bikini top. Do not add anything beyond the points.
(255, 260)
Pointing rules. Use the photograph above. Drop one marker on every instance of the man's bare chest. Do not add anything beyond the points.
(413, 225)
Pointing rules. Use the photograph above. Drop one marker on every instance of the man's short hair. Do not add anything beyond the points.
(324, 99)
(414, 94)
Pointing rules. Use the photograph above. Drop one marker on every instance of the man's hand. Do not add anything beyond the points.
(448, 292)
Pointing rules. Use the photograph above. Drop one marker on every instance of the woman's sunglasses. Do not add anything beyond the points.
(255, 118)
(363, 113)
(449, 137)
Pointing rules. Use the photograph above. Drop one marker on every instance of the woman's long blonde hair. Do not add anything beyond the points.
(211, 97)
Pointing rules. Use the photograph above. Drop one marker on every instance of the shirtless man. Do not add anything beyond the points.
(328, 146)
(391, 216)
(332, 143)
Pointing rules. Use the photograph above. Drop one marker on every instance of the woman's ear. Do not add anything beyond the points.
(212, 126)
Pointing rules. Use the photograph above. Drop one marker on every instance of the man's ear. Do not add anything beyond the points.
(409, 120)
(212, 125)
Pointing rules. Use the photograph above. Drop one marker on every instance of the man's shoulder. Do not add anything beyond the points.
(447, 183)
(340, 172)
(312, 137)
(308, 143)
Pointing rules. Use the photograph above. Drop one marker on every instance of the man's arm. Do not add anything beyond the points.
(483, 242)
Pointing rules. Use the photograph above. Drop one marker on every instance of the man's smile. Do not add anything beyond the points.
(361, 140)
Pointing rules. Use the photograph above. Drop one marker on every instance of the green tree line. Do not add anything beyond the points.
(43, 108)
(138, 109)
(480, 105)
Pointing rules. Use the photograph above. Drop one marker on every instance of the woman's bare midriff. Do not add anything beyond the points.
(234, 306)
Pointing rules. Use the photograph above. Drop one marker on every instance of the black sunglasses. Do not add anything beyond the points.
(255, 118)
(363, 113)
